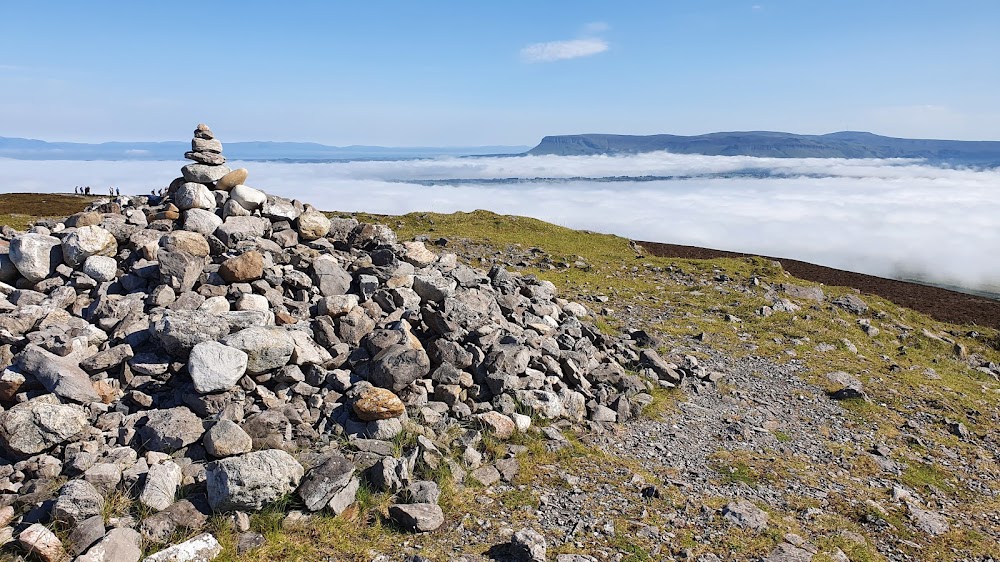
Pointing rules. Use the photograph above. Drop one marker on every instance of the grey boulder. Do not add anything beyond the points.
(226, 439)
(266, 348)
(59, 376)
(253, 480)
(36, 256)
(34, 426)
(331, 484)
(77, 500)
(417, 517)
(215, 367)
(100, 268)
(85, 242)
(179, 331)
(204, 173)
(397, 366)
(171, 429)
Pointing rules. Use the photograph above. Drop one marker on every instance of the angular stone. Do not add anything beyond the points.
(376, 403)
(417, 517)
(500, 425)
(180, 270)
(36, 256)
(251, 481)
(434, 288)
(193, 195)
(486, 475)
(232, 179)
(179, 331)
(330, 277)
(107, 359)
(423, 491)
(418, 254)
(248, 266)
(162, 483)
(238, 228)
(162, 526)
(8, 271)
(58, 376)
(210, 158)
(43, 543)
(216, 367)
(745, 514)
(86, 533)
(77, 500)
(331, 484)
(528, 545)
(202, 548)
(203, 173)
(663, 370)
(29, 428)
(397, 366)
(119, 545)
(226, 439)
(266, 348)
(170, 429)
(278, 208)
(193, 243)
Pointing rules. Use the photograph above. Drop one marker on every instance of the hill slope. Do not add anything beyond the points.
(845, 144)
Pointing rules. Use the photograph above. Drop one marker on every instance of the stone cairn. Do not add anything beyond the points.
(239, 346)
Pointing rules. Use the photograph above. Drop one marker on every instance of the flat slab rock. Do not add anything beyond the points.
(417, 517)
(202, 548)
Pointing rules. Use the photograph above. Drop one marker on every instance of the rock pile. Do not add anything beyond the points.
(227, 343)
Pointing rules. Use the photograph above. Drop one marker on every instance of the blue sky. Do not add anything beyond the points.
(471, 73)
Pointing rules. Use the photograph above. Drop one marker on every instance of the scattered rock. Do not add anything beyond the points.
(528, 545)
(417, 517)
(745, 514)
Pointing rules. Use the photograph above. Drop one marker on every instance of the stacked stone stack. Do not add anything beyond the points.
(229, 342)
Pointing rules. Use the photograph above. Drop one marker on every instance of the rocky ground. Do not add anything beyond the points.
(225, 374)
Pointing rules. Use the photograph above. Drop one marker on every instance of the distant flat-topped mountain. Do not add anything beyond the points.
(31, 149)
(845, 144)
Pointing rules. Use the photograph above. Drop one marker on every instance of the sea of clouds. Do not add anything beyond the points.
(894, 218)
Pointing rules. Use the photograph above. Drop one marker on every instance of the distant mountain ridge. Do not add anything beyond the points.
(844, 144)
(32, 149)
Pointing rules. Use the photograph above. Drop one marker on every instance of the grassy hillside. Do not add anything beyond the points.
(919, 376)
(19, 210)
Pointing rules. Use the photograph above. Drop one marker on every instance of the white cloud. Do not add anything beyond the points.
(884, 217)
(595, 27)
(563, 50)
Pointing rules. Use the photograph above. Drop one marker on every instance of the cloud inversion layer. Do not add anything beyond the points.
(884, 217)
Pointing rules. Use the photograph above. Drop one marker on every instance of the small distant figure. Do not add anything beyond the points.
(86, 190)
(76, 190)
(118, 192)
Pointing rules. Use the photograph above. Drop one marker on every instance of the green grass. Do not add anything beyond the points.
(20, 210)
